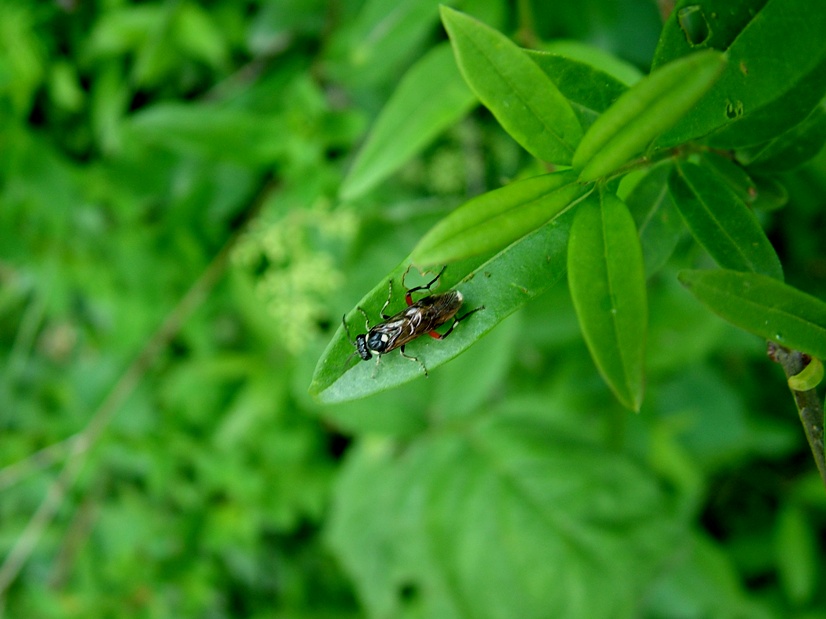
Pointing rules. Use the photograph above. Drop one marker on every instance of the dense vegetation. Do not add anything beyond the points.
(191, 196)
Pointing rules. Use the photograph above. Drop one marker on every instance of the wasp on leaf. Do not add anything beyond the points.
(418, 318)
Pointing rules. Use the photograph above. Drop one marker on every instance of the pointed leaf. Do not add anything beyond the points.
(496, 219)
(792, 148)
(431, 97)
(764, 306)
(721, 222)
(502, 284)
(647, 109)
(607, 281)
(522, 98)
(658, 221)
(589, 90)
(378, 42)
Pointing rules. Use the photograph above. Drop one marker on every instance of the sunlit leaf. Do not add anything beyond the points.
(647, 109)
(496, 219)
(607, 281)
(522, 98)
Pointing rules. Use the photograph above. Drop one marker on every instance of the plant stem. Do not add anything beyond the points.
(809, 405)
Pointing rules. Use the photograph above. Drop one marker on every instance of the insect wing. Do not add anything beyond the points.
(385, 336)
(437, 309)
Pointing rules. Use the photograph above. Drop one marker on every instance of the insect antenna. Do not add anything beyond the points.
(349, 339)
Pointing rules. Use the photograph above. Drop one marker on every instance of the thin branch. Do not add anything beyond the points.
(809, 405)
(120, 391)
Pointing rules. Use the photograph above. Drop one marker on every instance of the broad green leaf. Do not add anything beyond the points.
(647, 109)
(792, 148)
(763, 306)
(431, 97)
(589, 90)
(503, 284)
(495, 219)
(775, 74)
(721, 222)
(505, 518)
(658, 221)
(521, 97)
(607, 280)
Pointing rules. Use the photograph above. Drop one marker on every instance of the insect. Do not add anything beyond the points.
(418, 318)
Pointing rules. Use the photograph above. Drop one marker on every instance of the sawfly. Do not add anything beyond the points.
(418, 318)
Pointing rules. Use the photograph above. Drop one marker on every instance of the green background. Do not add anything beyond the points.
(174, 258)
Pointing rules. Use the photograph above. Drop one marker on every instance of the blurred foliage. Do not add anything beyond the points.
(141, 143)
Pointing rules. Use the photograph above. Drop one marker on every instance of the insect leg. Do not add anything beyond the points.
(427, 286)
(386, 303)
(440, 336)
(366, 318)
(376, 367)
(416, 359)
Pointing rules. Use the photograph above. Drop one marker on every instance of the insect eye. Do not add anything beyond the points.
(361, 347)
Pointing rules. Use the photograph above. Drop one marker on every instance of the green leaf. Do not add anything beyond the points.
(211, 131)
(502, 284)
(791, 149)
(589, 90)
(657, 219)
(647, 109)
(721, 222)
(607, 281)
(378, 43)
(596, 57)
(525, 102)
(732, 175)
(760, 93)
(695, 24)
(795, 544)
(497, 218)
(505, 517)
(431, 97)
(763, 306)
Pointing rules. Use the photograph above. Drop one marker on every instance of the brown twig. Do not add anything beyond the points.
(809, 405)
